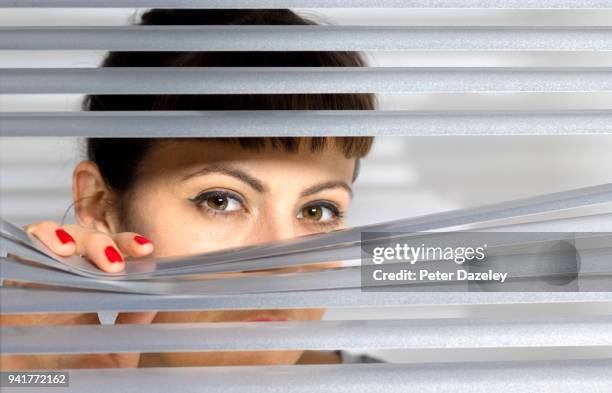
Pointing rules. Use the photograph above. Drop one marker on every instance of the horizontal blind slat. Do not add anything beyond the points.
(340, 278)
(519, 260)
(16, 271)
(15, 300)
(301, 123)
(299, 80)
(305, 38)
(455, 333)
(562, 376)
(271, 4)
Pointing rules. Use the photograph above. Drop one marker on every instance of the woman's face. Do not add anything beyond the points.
(199, 196)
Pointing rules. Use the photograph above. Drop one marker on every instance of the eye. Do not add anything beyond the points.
(220, 201)
(319, 212)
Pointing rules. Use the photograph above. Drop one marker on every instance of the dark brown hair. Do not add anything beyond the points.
(118, 158)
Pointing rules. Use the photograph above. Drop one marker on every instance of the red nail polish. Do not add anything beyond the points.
(63, 236)
(141, 240)
(112, 254)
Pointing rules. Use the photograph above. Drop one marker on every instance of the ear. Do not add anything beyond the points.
(94, 201)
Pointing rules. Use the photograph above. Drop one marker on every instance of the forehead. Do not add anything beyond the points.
(183, 154)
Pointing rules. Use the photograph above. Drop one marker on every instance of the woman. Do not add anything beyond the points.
(172, 197)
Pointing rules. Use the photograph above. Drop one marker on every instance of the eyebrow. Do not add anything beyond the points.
(327, 185)
(256, 184)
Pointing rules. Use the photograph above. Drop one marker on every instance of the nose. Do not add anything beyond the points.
(274, 229)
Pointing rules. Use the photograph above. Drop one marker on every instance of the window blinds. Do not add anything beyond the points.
(254, 4)
(559, 377)
(558, 342)
(578, 328)
(345, 123)
(306, 38)
(396, 80)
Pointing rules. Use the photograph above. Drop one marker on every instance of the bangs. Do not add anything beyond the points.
(350, 147)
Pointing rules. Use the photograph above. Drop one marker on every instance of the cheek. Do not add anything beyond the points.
(178, 228)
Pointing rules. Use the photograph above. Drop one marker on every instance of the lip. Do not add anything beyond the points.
(268, 319)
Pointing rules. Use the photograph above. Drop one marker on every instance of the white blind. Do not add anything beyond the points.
(560, 342)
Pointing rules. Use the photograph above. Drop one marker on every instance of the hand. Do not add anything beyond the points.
(108, 253)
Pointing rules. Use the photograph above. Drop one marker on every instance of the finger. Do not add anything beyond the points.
(133, 244)
(58, 239)
(100, 248)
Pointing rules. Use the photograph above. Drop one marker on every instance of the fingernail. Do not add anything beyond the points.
(63, 236)
(141, 240)
(112, 254)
